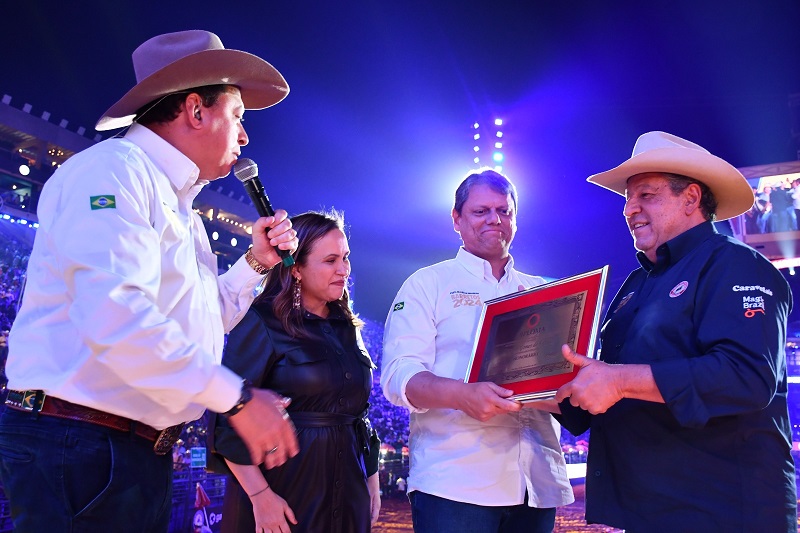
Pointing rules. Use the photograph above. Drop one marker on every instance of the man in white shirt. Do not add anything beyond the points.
(479, 462)
(120, 335)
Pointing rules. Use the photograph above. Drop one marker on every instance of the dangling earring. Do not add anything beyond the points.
(296, 299)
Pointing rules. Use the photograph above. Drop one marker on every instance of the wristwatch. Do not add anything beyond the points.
(253, 262)
(246, 396)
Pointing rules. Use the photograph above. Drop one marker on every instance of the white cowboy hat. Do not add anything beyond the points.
(657, 151)
(182, 60)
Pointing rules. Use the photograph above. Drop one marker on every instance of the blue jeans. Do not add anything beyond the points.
(70, 476)
(432, 514)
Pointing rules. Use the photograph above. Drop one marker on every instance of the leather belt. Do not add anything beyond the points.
(311, 419)
(36, 401)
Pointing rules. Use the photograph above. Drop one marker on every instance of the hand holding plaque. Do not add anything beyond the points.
(519, 339)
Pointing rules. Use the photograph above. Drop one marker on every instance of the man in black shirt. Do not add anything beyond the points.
(687, 402)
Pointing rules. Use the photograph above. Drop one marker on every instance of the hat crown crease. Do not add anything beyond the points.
(654, 140)
(163, 50)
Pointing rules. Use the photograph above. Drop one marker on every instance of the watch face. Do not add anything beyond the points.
(246, 396)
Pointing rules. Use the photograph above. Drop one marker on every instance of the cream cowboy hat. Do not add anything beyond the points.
(657, 151)
(182, 60)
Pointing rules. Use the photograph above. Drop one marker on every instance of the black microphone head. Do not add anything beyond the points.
(245, 169)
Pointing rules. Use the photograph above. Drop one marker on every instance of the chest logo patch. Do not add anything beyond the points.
(625, 299)
(678, 289)
(465, 299)
(398, 306)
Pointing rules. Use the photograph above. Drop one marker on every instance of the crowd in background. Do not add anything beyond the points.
(17, 200)
(777, 208)
(13, 263)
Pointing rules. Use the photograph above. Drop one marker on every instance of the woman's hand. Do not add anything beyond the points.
(373, 484)
(271, 512)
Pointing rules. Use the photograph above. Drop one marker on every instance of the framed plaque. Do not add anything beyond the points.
(519, 337)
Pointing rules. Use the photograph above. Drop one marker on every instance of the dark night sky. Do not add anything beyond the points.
(383, 95)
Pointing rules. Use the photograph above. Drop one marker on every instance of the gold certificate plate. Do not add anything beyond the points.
(519, 339)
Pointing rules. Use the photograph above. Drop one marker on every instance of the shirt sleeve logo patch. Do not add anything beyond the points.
(753, 305)
(105, 201)
(752, 288)
(678, 289)
(398, 306)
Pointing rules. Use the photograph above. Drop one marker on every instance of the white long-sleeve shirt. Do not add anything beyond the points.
(431, 327)
(124, 310)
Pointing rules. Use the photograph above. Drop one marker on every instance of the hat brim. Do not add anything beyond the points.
(260, 83)
(733, 194)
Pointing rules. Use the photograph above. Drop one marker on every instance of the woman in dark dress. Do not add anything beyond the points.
(300, 339)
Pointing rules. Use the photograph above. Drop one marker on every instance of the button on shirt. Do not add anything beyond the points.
(123, 310)
(431, 327)
(709, 317)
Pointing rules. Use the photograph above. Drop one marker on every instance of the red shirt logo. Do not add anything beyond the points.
(678, 289)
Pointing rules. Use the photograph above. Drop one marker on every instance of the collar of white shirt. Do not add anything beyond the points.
(181, 171)
(480, 268)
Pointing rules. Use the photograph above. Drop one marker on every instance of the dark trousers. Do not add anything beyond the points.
(432, 514)
(71, 476)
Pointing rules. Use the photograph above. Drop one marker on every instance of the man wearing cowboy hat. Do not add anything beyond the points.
(687, 402)
(120, 335)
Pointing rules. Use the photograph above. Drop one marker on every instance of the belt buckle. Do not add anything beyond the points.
(26, 400)
(167, 438)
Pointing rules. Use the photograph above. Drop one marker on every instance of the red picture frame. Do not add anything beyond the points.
(519, 338)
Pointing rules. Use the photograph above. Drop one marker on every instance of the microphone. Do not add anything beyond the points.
(246, 171)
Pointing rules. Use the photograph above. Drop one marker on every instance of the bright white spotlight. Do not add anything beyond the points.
(476, 136)
(498, 157)
(791, 271)
(476, 126)
(215, 235)
(24, 169)
(476, 148)
(477, 160)
(498, 145)
(499, 168)
(499, 134)
(498, 122)
(233, 241)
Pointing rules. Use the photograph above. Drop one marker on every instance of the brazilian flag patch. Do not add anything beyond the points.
(398, 306)
(105, 201)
